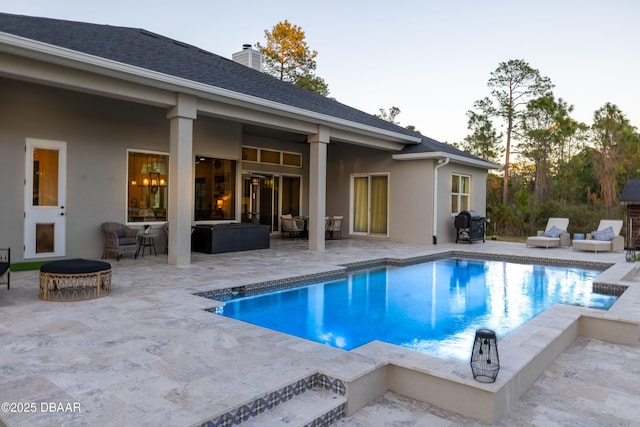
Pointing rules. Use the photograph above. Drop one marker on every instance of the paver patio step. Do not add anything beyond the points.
(309, 408)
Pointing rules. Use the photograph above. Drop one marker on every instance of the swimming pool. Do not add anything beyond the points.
(434, 307)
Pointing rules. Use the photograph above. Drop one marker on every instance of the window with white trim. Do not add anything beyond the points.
(215, 189)
(460, 193)
(147, 186)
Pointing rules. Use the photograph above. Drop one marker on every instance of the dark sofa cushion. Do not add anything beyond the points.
(75, 266)
(125, 241)
(4, 266)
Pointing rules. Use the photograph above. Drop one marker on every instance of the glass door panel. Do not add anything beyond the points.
(247, 200)
(291, 195)
(379, 204)
(45, 177)
(275, 213)
(265, 197)
(360, 204)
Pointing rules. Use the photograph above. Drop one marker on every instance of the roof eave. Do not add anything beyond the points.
(38, 50)
(455, 158)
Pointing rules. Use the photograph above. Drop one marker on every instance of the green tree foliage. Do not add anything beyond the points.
(313, 83)
(484, 140)
(613, 138)
(389, 115)
(288, 57)
(563, 168)
(412, 128)
(545, 128)
(576, 180)
(512, 85)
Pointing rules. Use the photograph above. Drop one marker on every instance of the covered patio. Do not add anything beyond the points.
(149, 354)
(132, 135)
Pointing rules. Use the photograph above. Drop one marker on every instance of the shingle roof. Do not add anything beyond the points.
(431, 145)
(631, 191)
(154, 52)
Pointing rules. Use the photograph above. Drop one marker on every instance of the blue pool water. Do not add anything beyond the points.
(434, 307)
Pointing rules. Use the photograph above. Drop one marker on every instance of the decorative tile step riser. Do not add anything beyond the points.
(270, 400)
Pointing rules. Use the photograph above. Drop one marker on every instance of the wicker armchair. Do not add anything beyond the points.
(119, 240)
(292, 226)
(334, 227)
(5, 266)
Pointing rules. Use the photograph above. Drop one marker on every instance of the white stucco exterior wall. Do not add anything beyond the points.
(411, 189)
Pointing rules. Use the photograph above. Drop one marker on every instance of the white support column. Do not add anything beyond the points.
(181, 178)
(317, 187)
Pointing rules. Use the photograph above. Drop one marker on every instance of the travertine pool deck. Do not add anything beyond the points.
(149, 353)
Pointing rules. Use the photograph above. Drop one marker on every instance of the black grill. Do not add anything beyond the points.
(470, 227)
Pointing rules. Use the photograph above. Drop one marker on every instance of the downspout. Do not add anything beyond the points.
(441, 162)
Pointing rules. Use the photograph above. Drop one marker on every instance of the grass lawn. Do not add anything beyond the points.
(23, 266)
(516, 239)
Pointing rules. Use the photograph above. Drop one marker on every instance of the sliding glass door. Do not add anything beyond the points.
(266, 197)
(370, 204)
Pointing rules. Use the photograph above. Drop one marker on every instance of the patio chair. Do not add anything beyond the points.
(553, 236)
(606, 238)
(5, 266)
(335, 226)
(327, 227)
(119, 240)
(294, 227)
(165, 227)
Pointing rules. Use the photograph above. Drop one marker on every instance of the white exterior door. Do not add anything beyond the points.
(45, 197)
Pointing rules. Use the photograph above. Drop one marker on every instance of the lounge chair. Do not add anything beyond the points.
(605, 238)
(553, 236)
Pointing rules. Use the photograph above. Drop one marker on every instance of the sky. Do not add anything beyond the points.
(430, 58)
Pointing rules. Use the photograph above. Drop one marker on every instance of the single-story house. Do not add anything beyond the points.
(102, 123)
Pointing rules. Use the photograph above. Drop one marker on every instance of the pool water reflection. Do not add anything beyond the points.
(433, 307)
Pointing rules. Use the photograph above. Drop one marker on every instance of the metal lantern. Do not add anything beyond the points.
(485, 362)
(631, 254)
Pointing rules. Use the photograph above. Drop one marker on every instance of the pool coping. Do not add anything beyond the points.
(447, 383)
(295, 281)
